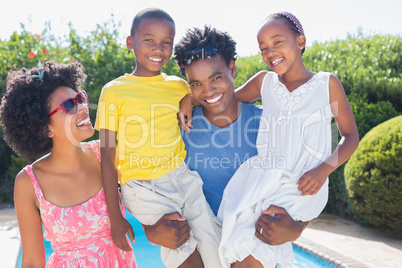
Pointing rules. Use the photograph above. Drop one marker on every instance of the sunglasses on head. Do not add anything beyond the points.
(70, 106)
(202, 53)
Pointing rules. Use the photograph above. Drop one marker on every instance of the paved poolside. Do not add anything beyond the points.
(328, 236)
(9, 238)
(353, 245)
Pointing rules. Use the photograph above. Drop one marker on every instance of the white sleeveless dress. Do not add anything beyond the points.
(294, 137)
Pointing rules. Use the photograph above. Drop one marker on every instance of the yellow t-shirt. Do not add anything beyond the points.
(142, 110)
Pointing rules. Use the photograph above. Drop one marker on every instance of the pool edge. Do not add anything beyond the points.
(327, 254)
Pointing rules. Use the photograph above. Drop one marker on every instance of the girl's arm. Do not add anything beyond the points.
(29, 222)
(119, 225)
(251, 90)
(312, 180)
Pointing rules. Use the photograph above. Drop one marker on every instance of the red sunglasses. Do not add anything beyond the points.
(70, 105)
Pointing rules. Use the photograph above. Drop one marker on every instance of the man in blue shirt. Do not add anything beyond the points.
(217, 149)
(220, 135)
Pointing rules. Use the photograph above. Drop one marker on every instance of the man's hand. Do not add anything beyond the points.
(119, 228)
(170, 231)
(278, 227)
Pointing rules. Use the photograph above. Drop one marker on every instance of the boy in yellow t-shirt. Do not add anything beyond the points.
(137, 116)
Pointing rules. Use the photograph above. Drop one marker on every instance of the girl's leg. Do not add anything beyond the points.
(193, 261)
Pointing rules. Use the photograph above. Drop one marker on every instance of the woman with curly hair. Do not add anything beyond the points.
(44, 110)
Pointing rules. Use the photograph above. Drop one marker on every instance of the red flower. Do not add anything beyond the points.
(37, 36)
(45, 51)
(31, 55)
(73, 61)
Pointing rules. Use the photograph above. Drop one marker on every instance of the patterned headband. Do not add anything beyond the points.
(296, 22)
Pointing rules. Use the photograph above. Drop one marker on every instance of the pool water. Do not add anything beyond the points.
(304, 259)
(148, 255)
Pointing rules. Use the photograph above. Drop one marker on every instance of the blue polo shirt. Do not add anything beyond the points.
(216, 153)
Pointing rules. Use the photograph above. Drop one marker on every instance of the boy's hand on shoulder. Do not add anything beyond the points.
(119, 228)
(170, 231)
(185, 114)
(185, 121)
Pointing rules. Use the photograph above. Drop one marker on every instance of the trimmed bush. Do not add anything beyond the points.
(373, 177)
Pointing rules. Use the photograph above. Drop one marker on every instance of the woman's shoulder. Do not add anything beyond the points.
(23, 182)
(90, 144)
(94, 145)
(22, 177)
(27, 191)
(40, 163)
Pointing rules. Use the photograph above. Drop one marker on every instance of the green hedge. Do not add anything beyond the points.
(370, 66)
(367, 116)
(373, 177)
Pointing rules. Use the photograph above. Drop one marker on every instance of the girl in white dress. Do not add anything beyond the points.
(294, 147)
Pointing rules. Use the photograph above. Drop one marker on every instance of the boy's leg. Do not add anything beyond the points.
(199, 215)
(148, 201)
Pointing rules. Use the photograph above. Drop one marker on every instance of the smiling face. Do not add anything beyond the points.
(73, 128)
(152, 44)
(211, 83)
(280, 47)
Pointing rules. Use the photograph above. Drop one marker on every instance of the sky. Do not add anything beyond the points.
(322, 20)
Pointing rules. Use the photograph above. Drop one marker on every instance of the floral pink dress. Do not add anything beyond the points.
(80, 235)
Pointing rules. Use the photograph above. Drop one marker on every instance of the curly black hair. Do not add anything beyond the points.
(150, 13)
(25, 106)
(196, 38)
